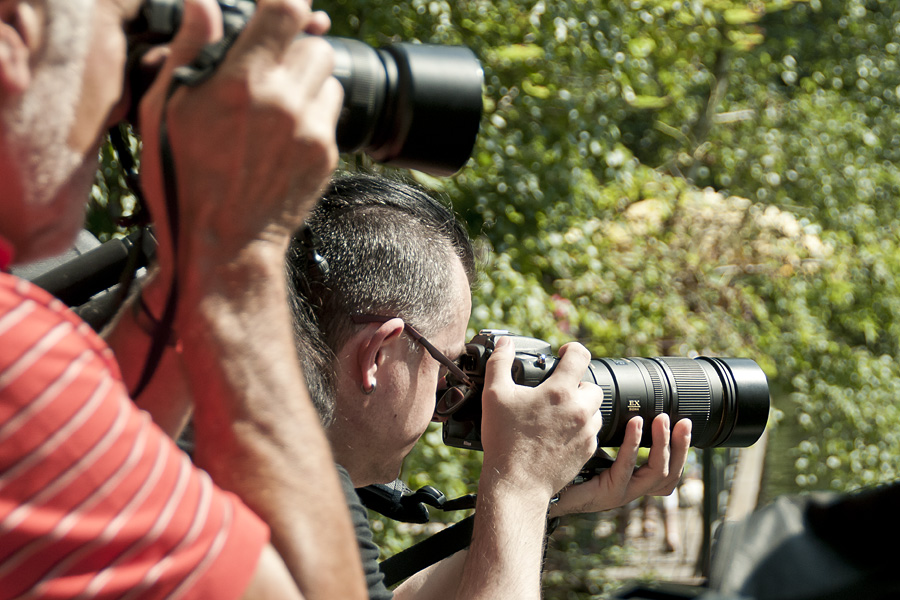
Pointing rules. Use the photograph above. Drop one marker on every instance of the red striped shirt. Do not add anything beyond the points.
(95, 500)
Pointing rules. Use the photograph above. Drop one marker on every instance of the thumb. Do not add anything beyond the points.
(201, 24)
(499, 365)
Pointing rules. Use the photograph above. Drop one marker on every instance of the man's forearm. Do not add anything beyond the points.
(257, 432)
(167, 395)
(439, 581)
(504, 560)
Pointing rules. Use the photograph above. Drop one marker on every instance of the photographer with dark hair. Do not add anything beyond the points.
(95, 500)
(391, 309)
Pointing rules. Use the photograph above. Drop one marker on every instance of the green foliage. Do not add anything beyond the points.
(112, 205)
(578, 555)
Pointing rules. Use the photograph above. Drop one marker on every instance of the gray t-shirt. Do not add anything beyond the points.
(368, 551)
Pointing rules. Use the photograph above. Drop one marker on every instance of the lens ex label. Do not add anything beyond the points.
(634, 404)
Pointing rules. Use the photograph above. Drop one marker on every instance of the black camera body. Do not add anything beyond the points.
(415, 106)
(726, 399)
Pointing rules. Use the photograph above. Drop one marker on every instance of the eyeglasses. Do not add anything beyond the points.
(420, 339)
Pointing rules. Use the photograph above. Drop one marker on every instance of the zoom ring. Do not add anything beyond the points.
(693, 393)
(656, 380)
(608, 405)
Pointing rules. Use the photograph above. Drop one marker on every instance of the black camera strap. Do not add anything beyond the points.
(439, 546)
(162, 331)
(400, 503)
(429, 551)
(200, 70)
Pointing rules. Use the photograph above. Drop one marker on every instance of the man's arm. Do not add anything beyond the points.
(267, 447)
(252, 147)
(518, 519)
(167, 396)
(535, 441)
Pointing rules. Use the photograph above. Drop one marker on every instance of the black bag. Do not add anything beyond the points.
(820, 546)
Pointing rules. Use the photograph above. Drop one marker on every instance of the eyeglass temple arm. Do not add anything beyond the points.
(419, 338)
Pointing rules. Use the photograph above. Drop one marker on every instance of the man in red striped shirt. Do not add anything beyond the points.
(95, 499)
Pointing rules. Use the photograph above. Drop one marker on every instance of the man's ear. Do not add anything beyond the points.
(19, 31)
(370, 351)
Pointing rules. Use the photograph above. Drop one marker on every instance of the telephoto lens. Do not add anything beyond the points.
(414, 106)
(726, 399)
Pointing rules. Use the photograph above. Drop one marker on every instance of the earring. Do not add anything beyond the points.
(368, 391)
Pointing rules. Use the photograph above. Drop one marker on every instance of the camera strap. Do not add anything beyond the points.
(400, 503)
(162, 331)
(429, 551)
(439, 546)
(207, 61)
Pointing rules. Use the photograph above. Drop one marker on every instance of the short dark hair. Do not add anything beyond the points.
(389, 246)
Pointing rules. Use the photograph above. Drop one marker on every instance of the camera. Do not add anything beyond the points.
(416, 106)
(726, 399)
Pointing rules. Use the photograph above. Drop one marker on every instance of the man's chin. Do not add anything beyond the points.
(388, 478)
(389, 475)
(55, 229)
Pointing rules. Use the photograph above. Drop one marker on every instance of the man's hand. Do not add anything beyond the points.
(535, 440)
(539, 437)
(621, 483)
(253, 145)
